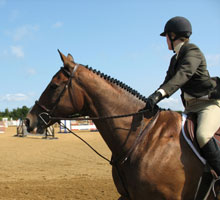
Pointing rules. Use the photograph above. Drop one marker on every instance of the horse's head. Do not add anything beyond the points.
(62, 97)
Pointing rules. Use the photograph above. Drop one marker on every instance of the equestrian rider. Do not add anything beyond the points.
(200, 92)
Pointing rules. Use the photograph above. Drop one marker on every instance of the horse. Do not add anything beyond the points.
(150, 158)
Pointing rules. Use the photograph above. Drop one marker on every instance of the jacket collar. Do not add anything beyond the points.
(178, 48)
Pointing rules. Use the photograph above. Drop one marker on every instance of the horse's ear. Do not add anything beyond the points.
(70, 57)
(61, 56)
(66, 60)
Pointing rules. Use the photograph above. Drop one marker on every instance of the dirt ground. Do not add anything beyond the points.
(32, 168)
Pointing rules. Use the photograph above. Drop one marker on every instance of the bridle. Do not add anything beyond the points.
(47, 114)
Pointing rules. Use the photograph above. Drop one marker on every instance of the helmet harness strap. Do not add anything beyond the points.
(172, 40)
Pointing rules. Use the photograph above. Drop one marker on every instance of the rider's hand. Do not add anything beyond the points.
(152, 100)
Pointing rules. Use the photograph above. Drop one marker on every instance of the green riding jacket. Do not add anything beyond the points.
(189, 73)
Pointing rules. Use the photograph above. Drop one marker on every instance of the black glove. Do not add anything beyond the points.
(152, 100)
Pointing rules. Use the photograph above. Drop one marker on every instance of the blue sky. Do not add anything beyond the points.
(118, 37)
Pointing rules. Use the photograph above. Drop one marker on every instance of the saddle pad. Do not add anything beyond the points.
(207, 180)
(191, 126)
(189, 141)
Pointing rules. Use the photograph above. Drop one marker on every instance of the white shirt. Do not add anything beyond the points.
(177, 48)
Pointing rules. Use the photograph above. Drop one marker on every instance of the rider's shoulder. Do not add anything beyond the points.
(190, 46)
(191, 50)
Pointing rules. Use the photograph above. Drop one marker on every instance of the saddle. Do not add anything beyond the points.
(208, 180)
(190, 130)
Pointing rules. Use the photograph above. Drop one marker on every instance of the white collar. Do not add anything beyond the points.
(178, 47)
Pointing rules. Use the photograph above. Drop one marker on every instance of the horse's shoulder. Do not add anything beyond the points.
(169, 115)
(169, 123)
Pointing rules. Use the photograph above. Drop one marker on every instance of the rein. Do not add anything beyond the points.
(121, 159)
(63, 125)
(138, 139)
(47, 116)
(79, 117)
(48, 112)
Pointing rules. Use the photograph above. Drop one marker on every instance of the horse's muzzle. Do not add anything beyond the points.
(27, 124)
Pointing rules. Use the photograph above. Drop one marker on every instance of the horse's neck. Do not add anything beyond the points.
(107, 99)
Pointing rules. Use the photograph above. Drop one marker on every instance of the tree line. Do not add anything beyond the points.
(19, 113)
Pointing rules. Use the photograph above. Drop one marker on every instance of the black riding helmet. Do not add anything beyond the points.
(178, 25)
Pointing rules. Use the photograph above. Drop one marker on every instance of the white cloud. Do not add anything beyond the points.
(57, 24)
(14, 97)
(31, 71)
(17, 51)
(213, 60)
(24, 32)
(172, 103)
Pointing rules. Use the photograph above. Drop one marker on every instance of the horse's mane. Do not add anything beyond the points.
(118, 83)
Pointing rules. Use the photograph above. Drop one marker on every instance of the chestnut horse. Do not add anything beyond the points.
(150, 158)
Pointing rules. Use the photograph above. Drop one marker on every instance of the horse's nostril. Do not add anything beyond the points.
(27, 122)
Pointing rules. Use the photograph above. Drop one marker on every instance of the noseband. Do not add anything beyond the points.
(46, 115)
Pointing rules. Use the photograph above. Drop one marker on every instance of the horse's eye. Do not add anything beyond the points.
(54, 86)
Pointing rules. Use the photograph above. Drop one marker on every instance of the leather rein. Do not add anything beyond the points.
(47, 116)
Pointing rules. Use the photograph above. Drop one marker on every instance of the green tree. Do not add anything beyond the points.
(7, 113)
(19, 113)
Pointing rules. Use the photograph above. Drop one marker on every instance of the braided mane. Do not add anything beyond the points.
(118, 83)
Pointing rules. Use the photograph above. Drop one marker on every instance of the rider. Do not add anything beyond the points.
(200, 92)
